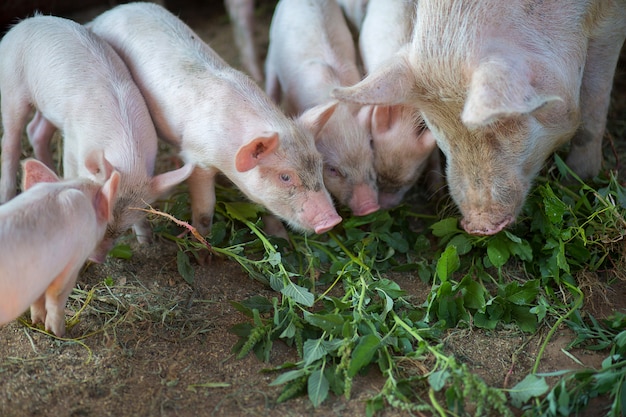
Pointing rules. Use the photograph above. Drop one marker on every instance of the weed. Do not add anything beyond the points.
(335, 305)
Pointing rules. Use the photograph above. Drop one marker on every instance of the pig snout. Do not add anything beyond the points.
(388, 200)
(489, 202)
(326, 221)
(319, 214)
(364, 200)
(485, 224)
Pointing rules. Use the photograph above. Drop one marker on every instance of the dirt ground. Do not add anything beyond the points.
(170, 353)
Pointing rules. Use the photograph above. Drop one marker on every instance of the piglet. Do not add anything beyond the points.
(402, 144)
(502, 85)
(311, 51)
(46, 234)
(79, 85)
(221, 120)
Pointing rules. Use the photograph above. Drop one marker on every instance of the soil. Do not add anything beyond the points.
(152, 345)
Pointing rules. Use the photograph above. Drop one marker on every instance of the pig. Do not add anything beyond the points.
(79, 85)
(311, 52)
(46, 234)
(402, 145)
(501, 87)
(221, 120)
(241, 14)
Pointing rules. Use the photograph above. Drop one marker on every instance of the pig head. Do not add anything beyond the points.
(501, 88)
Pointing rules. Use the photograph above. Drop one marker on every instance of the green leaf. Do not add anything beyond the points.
(554, 208)
(317, 387)
(298, 294)
(391, 288)
(474, 296)
(330, 323)
(445, 227)
(258, 302)
(529, 387)
(521, 295)
(121, 251)
(438, 379)
(462, 242)
(184, 267)
(242, 211)
(287, 376)
(396, 241)
(363, 353)
(448, 263)
(313, 350)
(497, 252)
(274, 258)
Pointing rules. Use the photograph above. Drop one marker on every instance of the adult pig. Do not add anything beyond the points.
(221, 120)
(79, 85)
(402, 144)
(46, 234)
(311, 51)
(501, 86)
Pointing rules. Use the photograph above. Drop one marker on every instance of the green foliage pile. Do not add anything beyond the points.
(335, 304)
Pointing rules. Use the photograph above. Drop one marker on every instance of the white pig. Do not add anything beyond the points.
(46, 234)
(501, 86)
(221, 120)
(311, 51)
(78, 84)
(402, 145)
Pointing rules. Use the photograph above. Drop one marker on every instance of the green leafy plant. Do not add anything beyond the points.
(345, 317)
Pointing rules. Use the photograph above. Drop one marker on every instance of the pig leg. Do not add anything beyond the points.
(241, 14)
(40, 132)
(585, 156)
(38, 310)
(202, 192)
(14, 118)
(56, 297)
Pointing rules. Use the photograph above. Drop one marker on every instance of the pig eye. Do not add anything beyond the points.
(334, 171)
(285, 178)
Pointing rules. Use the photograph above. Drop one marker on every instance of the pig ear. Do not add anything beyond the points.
(392, 83)
(106, 197)
(315, 118)
(97, 164)
(35, 172)
(250, 154)
(162, 183)
(499, 89)
(382, 117)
